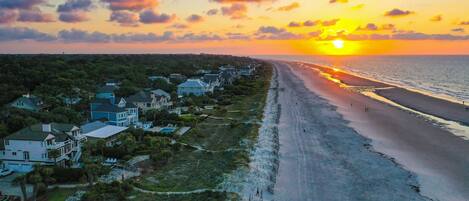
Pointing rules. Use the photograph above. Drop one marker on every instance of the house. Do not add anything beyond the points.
(35, 145)
(112, 82)
(177, 78)
(154, 78)
(147, 100)
(107, 92)
(246, 71)
(100, 131)
(28, 102)
(120, 113)
(193, 87)
(213, 80)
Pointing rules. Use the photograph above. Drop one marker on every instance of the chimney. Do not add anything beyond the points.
(46, 127)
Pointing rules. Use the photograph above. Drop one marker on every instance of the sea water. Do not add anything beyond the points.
(442, 76)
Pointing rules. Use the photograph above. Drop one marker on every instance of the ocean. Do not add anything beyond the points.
(441, 76)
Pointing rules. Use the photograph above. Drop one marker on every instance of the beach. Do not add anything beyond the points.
(337, 144)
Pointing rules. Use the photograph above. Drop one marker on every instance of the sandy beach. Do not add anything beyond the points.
(331, 148)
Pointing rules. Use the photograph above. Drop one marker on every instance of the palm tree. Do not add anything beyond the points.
(21, 181)
(36, 180)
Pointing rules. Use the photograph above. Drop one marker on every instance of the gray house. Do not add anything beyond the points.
(28, 102)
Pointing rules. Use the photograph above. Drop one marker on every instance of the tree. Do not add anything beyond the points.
(54, 154)
(100, 145)
(21, 181)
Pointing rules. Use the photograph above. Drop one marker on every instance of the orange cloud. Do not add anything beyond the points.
(290, 7)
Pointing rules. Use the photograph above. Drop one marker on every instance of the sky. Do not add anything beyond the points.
(240, 27)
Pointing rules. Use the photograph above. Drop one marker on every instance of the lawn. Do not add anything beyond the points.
(59, 194)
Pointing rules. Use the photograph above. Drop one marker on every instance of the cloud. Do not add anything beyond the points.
(199, 37)
(436, 18)
(194, 18)
(150, 17)
(17, 33)
(149, 37)
(124, 18)
(294, 24)
(8, 16)
(310, 23)
(212, 12)
(374, 27)
(338, 1)
(34, 15)
(289, 7)
(73, 17)
(179, 26)
(398, 13)
(20, 4)
(75, 35)
(238, 36)
(131, 5)
(274, 33)
(464, 23)
(235, 11)
(329, 22)
(74, 5)
(458, 30)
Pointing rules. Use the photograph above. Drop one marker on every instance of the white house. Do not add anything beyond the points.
(34, 145)
(193, 87)
(101, 131)
(147, 100)
(213, 80)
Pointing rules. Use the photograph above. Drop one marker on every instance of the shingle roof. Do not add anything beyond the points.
(211, 77)
(35, 133)
(86, 128)
(160, 92)
(107, 89)
(193, 83)
(139, 97)
(31, 100)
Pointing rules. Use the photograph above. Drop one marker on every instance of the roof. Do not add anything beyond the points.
(193, 83)
(86, 128)
(35, 133)
(160, 92)
(107, 107)
(30, 100)
(140, 97)
(105, 132)
(211, 77)
(107, 89)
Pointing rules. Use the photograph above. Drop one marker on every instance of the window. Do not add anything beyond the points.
(13, 153)
(7, 142)
(26, 155)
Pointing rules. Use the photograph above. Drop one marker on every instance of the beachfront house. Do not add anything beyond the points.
(155, 78)
(148, 100)
(28, 102)
(213, 80)
(246, 71)
(100, 131)
(118, 113)
(177, 78)
(45, 144)
(194, 87)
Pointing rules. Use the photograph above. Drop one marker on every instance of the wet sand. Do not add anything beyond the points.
(438, 158)
(410, 99)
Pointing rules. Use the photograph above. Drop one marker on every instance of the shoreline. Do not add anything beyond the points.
(435, 155)
(455, 115)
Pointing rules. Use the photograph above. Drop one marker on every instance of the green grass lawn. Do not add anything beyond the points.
(59, 194)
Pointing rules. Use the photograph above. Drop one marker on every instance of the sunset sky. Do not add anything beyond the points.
(244, 27)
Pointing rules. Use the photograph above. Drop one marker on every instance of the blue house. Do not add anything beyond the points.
(118, 114)
(193, 87)
(107, 92)
(28, 102)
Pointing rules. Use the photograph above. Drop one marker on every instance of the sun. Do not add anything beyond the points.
(339, 44)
